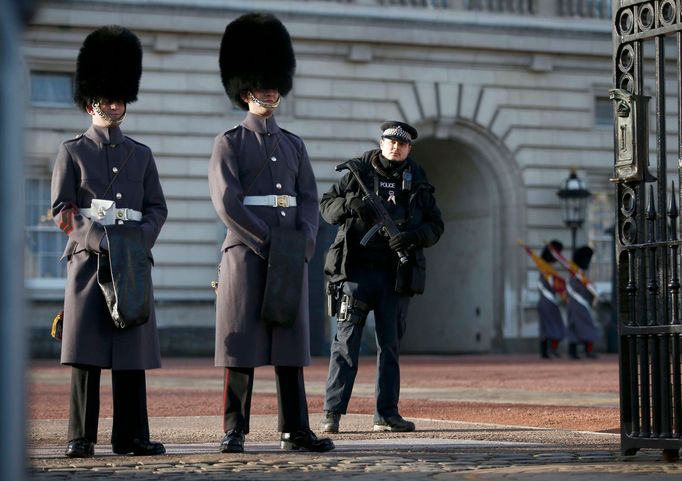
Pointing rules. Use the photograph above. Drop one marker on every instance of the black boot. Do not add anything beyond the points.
(330, 422)
(139, 447)
(573, 350)
(394, 423)
(80, 448)
(544, 349)
(589, 350)
(233, 441)
(305, 440)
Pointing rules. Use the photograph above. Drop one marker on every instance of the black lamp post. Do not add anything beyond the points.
(573, 195)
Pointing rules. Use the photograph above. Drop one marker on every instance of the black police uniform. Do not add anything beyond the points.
(370, 277)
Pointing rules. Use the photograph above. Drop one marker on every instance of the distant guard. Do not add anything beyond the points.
(582, 328)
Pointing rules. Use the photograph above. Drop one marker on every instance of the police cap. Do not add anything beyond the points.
(400, 131)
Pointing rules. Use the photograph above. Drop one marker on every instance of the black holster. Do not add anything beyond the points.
(352, 310)
(124, 275)
(284, 283)
(333, 298)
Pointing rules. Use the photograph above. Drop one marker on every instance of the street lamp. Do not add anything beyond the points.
(573, 195)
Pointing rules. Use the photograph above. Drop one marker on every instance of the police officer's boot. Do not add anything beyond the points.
(394, 423)
(330, 422)
(544, 349)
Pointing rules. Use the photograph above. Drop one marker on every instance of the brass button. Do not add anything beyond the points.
(113, 146)
(278, 185)
(119, 196)
(284, 214)
(119, 222)
(114, 170)
(273, 158)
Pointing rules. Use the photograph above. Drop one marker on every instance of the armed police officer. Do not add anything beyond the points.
(385, 188)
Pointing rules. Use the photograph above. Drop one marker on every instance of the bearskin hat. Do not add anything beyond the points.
(582, 257)
(256, 53)
(109, 66)
(547, 254)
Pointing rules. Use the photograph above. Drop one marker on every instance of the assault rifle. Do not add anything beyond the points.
(384, 224)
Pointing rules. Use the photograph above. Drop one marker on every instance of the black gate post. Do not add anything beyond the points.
(646, 235)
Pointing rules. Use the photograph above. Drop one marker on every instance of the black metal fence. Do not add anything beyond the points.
(647, 237)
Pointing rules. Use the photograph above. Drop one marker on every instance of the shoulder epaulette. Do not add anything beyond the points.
(136, 142)
(77, 137)
(289, 133)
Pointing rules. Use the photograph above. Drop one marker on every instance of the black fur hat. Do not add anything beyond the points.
(256, 53)
(582, 257)
(547, 255)
(109, 66)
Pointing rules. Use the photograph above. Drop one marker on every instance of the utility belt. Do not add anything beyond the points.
(271, 200)
(106, 213)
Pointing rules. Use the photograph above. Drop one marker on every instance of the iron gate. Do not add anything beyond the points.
(647, 241)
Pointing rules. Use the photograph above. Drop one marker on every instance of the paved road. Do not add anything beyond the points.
(452, 441)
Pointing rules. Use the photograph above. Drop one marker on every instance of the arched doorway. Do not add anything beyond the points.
(473, 279)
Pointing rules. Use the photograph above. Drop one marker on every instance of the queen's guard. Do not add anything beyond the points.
(263, 189)
(552, 289)
(106, 196)
(582, 328)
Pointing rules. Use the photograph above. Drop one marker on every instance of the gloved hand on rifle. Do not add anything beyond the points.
(360, 208)
(405, 240)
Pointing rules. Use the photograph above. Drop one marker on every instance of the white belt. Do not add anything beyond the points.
(550, 296)
(271, 200)
(580, 299)
(110, 216)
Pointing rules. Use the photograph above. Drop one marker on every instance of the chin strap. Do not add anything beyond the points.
(105, 116)
(266, 105)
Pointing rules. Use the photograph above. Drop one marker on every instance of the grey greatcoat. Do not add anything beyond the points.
(84, 168)
(252, 159)
(580, 316)
(551, 323)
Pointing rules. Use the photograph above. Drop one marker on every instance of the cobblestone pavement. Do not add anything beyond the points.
(440, 449)
(418, 461)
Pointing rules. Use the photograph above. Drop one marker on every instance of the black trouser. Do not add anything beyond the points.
(376, 289)
(291, 399)
(129, 392)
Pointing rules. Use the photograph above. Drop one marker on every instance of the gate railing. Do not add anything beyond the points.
(647, 237)
(551, 8)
